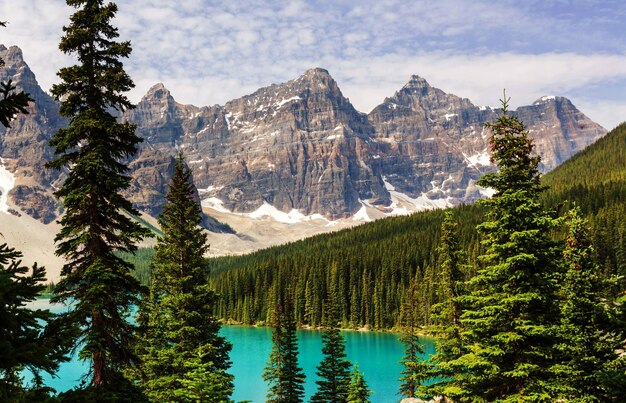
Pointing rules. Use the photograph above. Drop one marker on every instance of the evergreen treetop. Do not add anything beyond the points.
(284, 375)
(334, 369)
(512, 311)
(96, 223)
(358, 391)
(176, 318)
(447, 313)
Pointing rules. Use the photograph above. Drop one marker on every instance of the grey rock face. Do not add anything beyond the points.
(297, 145)
(24, 146)
(302, 145)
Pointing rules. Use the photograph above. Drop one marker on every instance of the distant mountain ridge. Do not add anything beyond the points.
(299, 148)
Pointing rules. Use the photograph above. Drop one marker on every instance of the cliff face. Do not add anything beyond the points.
(300, 145)
(24, 146)
(436, 145)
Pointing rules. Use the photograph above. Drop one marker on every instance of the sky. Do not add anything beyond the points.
(209, 52)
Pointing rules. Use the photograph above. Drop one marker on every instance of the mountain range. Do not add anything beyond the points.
(296, 152)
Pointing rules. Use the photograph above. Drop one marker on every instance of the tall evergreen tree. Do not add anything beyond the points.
(446, 314)
(587, 340)
(334, 369)
(283, 373)
(358, 392)
(29, 338)
(512, 309)
(96, 224)
(176, 318)
(415, 370)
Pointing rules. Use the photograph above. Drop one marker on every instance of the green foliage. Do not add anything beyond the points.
(588, 342)
(511, 310)
(284, 376)
(11, 102)
(358, 392)
(94, 225)
(29, 338)
(446, 314)
(140, 261)
(202, 383)
(373, 265)
(333, 371)
(180, 348)
(416, 369)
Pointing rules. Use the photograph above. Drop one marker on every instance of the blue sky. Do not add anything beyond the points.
(209, 52)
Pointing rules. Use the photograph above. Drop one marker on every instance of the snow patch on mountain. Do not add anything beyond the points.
(403, 204)
(215, 204)
(7, 181)
(362, 215)
(482, 158)
(292, 217)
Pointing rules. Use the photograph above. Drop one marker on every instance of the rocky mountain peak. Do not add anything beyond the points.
(158, 90)
(12, 54)
(16, 69)
(297, 147)
(416, 82)
(317, 72)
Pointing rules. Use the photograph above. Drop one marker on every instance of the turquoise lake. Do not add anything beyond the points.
(377, 355)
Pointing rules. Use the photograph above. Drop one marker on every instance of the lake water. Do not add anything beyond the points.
(377, 354)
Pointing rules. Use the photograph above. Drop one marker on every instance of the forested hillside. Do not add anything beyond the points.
(372, 264)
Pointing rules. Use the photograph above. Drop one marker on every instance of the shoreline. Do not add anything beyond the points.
(230, 322)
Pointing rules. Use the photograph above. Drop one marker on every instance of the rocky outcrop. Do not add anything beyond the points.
(300, 145)
(436, 145)
(24, 146)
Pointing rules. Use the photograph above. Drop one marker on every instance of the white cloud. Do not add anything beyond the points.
(208, 52)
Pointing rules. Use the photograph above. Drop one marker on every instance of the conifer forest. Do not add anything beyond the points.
(524, 292)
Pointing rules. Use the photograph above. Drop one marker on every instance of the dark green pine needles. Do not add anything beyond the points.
(510, 323)
(446, 314)
(181, 351)
(334, 370)
(282, 373)
(29, 338)
(96, 223)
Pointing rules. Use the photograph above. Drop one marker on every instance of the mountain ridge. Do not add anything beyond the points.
(301, 145)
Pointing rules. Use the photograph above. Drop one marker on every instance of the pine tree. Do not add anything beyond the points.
(358, 392)
(29, 338)
(334, 369)
(176, 318)
(416, 371)
(512, 309)
(283, 374)
(202, 383)
(587, 340)
(446, 314)
(96, 224)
